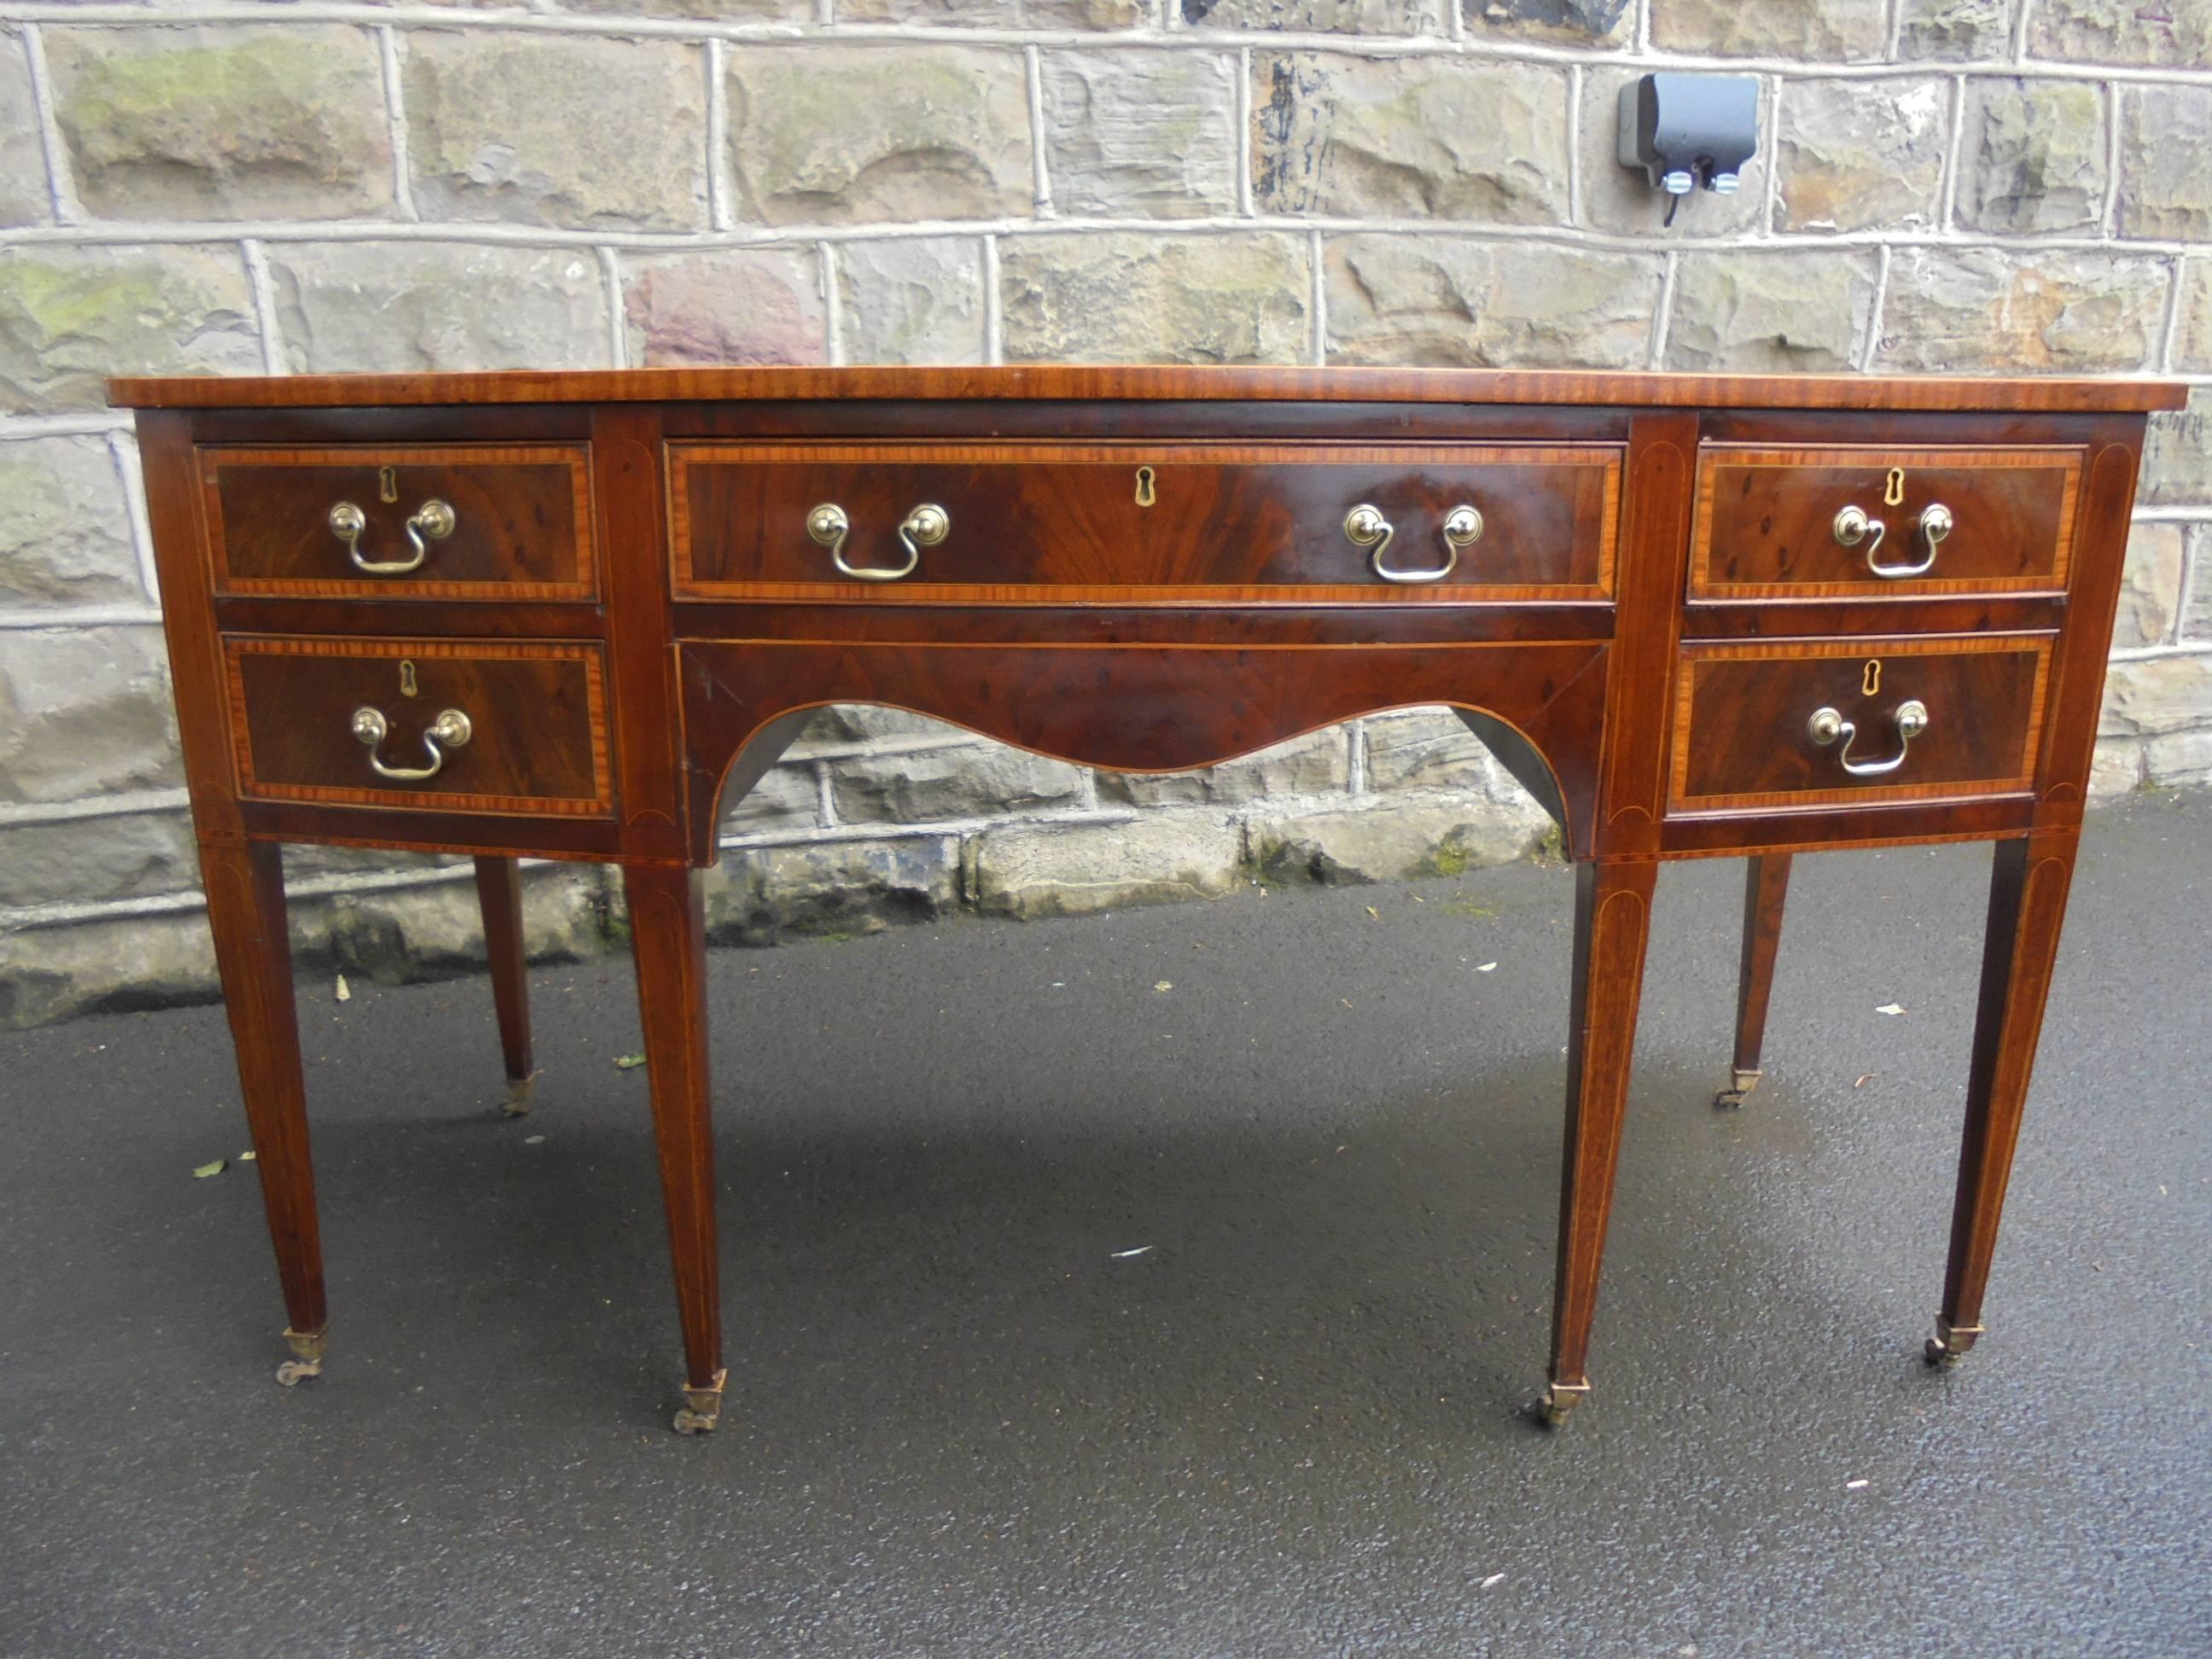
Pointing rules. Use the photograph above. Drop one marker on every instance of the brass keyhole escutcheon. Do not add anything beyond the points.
(407, 688)
(1870, 681)
(387, 485)
(1145, 495)
(1893, 493)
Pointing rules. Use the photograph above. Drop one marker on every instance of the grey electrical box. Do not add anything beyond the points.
(1690, 130)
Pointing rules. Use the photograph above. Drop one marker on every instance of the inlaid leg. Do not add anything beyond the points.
(2027, 903)
(253, 954)
(1766, 884)
(1613, 918)
(668, 933)
(499, 895)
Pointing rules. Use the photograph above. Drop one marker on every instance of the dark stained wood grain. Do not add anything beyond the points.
(521, 521)
(1085, 383)
(1767, 890)
(668, 931)
(1845, 823)
(631, 491)
(2028, 881)
(2085, 647)
(1766, 519)
(1740, 735)
(499, 897)
(1632, 789)
(1641, 635)
(434, 828)
(253, 954)
(173, 512)
(539, 739)
(1934, 613)
(1136, 621)
(1613, 921)
(1137, 709)
(413, 618)
(1064, 522)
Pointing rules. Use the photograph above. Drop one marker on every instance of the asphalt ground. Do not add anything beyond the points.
(1172, 1283)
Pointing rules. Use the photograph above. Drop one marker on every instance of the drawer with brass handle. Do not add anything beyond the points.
(456, 726)
(1049, 521)
(1837, 520)
(1780, 723)
(464, 522)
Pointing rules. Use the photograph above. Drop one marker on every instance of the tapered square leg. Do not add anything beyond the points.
(2028, 883)
(1766, 886)
(1612, 920)
(254, 955)
(499, 895)
(668, 933)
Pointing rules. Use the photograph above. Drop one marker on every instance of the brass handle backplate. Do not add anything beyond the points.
(1365, 527)
(433, 519)
(1853, 526)
(451, 730)
(927, 525)
(1826, 725)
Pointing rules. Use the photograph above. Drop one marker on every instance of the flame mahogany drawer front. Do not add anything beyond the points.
(1795, 722)
(463, 521)
(436, 724)
(1883, 521)
(967, 522)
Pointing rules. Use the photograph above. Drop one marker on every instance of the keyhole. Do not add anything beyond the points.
(407, 685)
(1893, 493)
(1870, 681)
(387, 485)
(1144, 495)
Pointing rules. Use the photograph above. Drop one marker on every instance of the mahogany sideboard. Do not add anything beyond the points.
(575, 616)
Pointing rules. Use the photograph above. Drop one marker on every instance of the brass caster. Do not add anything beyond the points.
(702, 1407)
(1562, 1399)
(519, 1090)
(1950, 1344)
(1734, 1095)
(307, 1359)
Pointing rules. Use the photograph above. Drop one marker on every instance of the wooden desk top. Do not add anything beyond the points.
(1158, 383)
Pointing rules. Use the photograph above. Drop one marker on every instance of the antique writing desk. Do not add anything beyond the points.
(574, 616)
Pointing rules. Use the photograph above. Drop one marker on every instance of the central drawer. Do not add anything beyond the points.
(1046, 522)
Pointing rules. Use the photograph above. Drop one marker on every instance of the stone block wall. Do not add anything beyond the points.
(249, 186)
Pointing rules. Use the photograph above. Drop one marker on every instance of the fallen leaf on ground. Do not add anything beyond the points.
(1163, 984)
(1485, 967)
(1853, 1485)
(1863, 1079)
(345, 991)
(1123, 1256)
(248, 1156)
(628, 1062)
(215, 1168)
(1374, 913)
(1891, 1008)
(1494, 1578)
(533, 1140)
